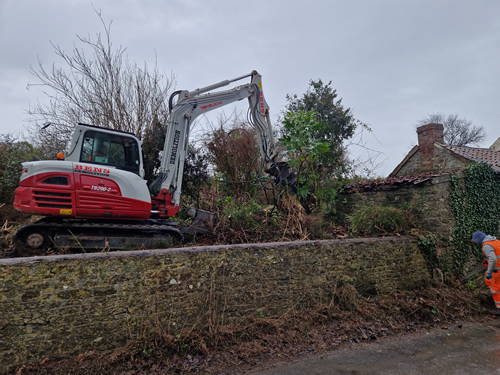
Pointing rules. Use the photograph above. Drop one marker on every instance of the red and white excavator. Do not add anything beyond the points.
(97, 196)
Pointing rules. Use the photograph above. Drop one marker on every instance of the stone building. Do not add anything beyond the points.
(432, 155)
(421, 179)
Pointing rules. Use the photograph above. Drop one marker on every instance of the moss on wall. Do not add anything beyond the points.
(60, 306)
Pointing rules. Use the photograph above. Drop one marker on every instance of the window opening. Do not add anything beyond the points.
(110, 149)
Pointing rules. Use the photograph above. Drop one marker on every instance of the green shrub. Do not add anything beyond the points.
(369, 219)
(240, 215)
(12, 154)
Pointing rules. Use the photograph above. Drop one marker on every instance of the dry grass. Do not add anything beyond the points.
(234, 348)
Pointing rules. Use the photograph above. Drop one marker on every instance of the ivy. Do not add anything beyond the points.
(427, 246)
(475, 203)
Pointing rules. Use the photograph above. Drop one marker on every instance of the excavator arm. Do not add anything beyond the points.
(192, 104)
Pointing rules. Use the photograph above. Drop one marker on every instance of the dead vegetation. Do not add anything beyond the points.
(229, 349)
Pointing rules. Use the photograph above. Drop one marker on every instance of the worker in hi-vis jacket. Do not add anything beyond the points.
(491, 249)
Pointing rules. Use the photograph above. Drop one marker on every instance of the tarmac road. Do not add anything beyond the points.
(472, 349)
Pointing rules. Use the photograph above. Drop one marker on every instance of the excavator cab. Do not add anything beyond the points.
(106, 147)
(101, 177)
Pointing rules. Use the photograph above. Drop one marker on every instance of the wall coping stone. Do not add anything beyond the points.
(192, 249)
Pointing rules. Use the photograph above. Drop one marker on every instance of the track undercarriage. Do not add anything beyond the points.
(84, 235)
(81, 235)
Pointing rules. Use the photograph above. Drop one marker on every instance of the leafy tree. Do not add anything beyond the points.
(457, 131)
(337, 124)
(304, 149)
(12, 154)
(100, 88)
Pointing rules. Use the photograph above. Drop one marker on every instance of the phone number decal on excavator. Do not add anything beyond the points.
(94, 171)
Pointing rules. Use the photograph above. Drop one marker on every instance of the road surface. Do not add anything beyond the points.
(469, 349)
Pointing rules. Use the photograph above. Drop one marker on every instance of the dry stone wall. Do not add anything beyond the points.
(59, 306)
(431, 199)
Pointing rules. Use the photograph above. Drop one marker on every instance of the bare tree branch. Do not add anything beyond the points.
(457, 131)
(102, 88)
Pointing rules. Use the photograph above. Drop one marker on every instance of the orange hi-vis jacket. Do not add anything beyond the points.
(494, 282)
(496, 245)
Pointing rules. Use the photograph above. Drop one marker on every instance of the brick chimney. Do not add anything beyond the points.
(427, 135)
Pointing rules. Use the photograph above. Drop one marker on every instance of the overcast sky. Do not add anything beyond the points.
(393, 62)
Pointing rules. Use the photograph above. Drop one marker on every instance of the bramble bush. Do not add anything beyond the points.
(235, 156)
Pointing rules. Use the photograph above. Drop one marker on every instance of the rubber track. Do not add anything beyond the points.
(127, 229)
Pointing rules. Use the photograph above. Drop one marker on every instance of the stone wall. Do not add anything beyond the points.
(430, 198)
(59, 306)
(441, 160)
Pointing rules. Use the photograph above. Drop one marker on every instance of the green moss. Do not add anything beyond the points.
(99, 301)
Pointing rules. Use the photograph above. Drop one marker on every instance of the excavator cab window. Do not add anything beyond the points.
(115, 150)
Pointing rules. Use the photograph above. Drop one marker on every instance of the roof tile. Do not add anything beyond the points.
(480, 155)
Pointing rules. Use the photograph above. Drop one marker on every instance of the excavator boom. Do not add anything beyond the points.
(195, 103)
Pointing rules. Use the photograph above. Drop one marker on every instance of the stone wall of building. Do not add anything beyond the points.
(59, 306)
(411, 167)
(440, 161)
(430, 198)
